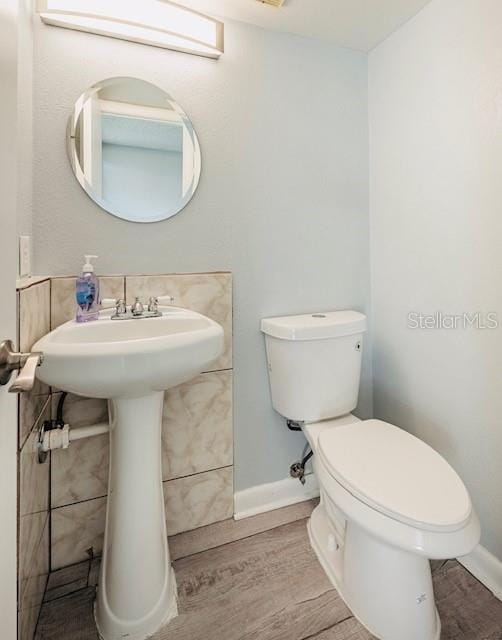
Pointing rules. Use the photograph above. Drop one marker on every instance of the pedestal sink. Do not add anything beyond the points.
(131, 363)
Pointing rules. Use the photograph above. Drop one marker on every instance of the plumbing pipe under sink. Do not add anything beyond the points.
(61, 438)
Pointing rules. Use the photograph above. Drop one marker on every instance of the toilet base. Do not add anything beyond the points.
(387, 589)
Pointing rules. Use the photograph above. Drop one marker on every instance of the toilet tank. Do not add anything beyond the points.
(314, 363)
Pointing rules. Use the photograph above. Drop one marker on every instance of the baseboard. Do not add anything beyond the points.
(486, 568)
(274, 495)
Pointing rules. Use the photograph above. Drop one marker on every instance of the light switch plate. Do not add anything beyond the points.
(24, 256)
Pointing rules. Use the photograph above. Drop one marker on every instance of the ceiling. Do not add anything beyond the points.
(356, 24)
(141, 133)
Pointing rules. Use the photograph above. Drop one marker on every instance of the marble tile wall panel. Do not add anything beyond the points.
(29, 281)
(197, 436)
(207, 293)
(81, 471)
(34, 323)
(32, 529)
(63, 296)
(34, 407)
(34, 314)
(197, 426)
(33, 587)
(191, 502)
(198, 500)
(33, 476)
(31, 408)
(75, 529)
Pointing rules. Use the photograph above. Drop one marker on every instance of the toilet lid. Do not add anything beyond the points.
(395, 473)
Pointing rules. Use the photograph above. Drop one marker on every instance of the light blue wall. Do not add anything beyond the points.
(282, 201)
(142, 182)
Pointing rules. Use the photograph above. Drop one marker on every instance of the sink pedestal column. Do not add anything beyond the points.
(137, 589)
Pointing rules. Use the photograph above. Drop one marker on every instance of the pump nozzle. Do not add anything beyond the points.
(88, 266)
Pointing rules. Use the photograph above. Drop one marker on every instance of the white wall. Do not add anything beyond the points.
(282, 201)
(25, 118)
(436, 231)
(10, 18)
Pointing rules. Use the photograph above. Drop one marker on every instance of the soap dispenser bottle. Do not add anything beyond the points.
(87, 293)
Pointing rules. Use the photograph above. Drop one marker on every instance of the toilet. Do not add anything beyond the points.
(389, 502)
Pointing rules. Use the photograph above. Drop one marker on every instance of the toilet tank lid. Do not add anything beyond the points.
(315, 326)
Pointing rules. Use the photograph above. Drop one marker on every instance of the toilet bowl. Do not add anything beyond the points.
(389, 502)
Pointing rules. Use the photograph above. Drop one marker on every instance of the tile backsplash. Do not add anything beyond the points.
(210, 294)
(34, 323)
(63, 296)
(62, 523)
(197, 426)
(34, 495)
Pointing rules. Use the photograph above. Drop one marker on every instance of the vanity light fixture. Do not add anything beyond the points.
(159, 23)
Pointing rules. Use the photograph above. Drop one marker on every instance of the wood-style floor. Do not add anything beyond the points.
(267, 585)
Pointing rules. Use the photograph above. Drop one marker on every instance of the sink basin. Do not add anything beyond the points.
(131, 363)
(117, 358)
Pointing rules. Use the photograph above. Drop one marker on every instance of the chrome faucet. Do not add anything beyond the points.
(137, 309)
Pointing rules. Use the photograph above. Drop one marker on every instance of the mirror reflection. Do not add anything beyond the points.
(134, 150)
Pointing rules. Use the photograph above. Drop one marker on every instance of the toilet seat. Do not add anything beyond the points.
(396, 474)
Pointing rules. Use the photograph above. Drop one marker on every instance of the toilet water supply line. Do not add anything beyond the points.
(297, 469)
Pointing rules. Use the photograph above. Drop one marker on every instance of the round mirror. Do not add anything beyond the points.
(133, 150)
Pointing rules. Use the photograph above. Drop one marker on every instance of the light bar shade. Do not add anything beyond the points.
(159, 23)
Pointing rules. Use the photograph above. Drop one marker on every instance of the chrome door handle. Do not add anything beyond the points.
(11, 360)
(26, 377)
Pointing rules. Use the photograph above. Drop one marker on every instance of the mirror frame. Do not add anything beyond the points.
(75, 163)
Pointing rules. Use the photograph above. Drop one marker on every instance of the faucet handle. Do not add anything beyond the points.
(153, 304)
(108, 303)
(120, 307)
(137, 307)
